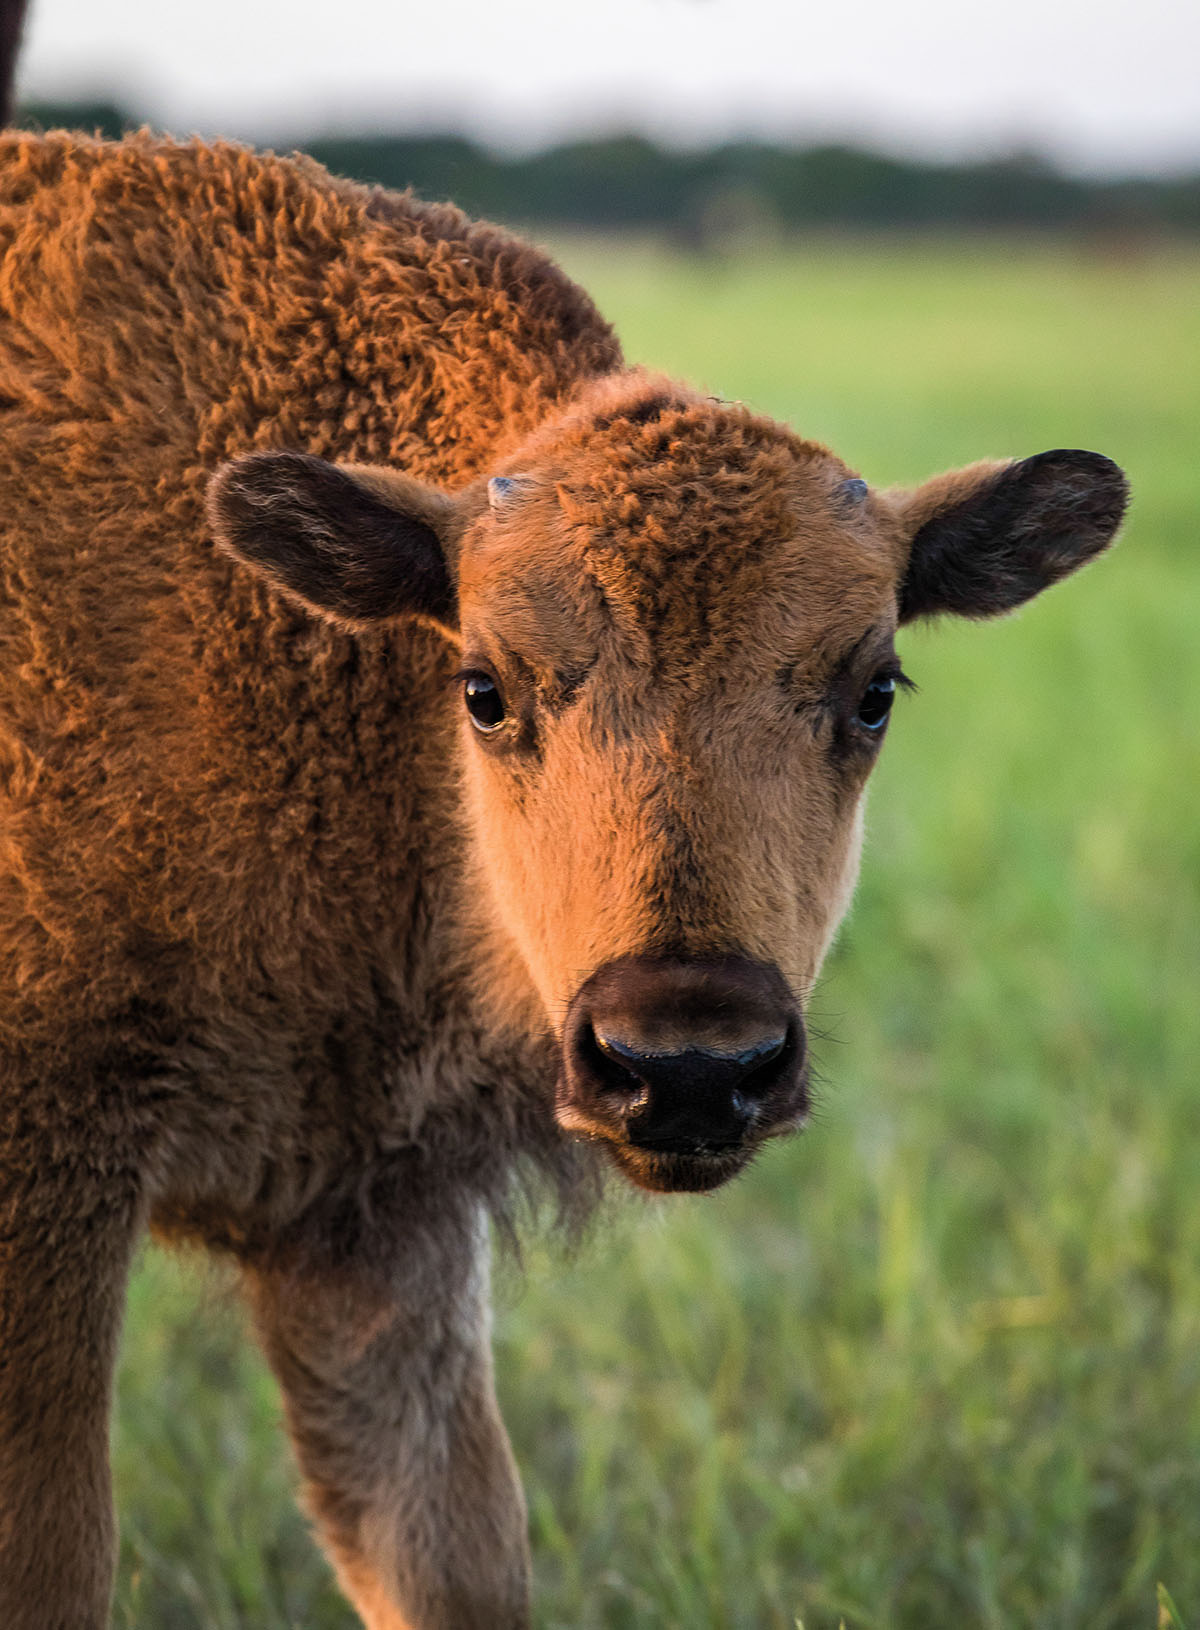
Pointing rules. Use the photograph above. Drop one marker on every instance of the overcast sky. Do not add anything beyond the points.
(1099, 84)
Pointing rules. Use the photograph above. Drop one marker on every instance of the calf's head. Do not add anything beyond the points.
(676, 624)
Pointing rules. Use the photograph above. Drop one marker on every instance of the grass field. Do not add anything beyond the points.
(937, 1363)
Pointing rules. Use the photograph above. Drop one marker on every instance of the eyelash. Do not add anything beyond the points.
(899, 678)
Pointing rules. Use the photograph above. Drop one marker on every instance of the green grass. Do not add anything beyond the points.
(936, 1363)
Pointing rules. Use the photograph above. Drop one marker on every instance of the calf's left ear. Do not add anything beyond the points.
(987, 538)
(354, 543)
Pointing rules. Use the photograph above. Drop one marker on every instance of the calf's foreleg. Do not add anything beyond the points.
(68, 1224)
(390, 1402)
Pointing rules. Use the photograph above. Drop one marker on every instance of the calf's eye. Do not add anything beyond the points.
(484, 702)
(876, 704)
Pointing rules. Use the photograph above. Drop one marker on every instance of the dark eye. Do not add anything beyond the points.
(484, 702)
(875, 706)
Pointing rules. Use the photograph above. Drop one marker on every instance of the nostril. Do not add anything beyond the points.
(612, 1070)
(761, 1055)
(618, 1052)
(763, 1052)
(763, 1065)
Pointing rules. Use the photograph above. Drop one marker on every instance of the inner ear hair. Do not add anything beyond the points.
(988, 538)
(356, 544)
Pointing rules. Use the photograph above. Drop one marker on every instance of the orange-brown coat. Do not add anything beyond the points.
(304, 958)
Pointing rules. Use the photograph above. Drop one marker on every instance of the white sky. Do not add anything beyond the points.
(1099, 84)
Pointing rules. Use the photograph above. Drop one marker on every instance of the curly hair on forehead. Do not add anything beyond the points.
(669, 499)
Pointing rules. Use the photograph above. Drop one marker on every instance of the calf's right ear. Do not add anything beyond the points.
(987, 538)
(355, 543)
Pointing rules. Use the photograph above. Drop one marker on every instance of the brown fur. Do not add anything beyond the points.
(285, 950)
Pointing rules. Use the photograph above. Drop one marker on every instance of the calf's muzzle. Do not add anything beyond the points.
(683, 1066)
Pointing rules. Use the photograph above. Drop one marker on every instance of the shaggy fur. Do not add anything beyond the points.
(285, 944)
(230, 996)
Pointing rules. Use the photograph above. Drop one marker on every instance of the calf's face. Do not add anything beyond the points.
(676, 625)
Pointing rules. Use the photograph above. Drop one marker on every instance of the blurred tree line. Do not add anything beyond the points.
(738, 189)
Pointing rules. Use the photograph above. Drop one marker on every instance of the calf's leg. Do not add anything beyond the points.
(68, 1224)
(390, 1402)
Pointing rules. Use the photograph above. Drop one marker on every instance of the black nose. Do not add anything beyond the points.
(675, 1101)
(682, 1056)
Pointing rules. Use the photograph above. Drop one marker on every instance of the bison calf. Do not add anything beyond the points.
(427, 748)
